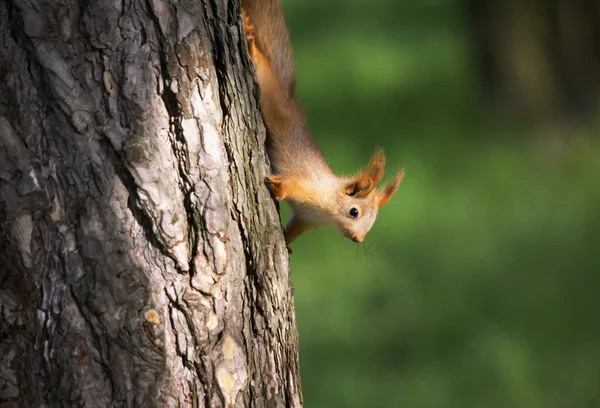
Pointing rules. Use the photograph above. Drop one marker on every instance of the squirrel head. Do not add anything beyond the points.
(359, 200)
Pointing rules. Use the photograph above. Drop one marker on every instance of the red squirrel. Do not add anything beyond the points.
(302, 176)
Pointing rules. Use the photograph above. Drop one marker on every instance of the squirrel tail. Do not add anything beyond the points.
(272, 40)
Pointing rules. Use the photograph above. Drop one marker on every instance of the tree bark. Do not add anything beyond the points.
(141, 257)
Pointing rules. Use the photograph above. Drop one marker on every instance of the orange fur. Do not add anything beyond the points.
(296, 227)
(291, 187)
(388, 191)
(376, 166)
(366, 180)
(301, 173)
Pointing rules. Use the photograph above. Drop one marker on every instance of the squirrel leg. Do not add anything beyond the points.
(257, 56)
(294, 228)
(290, 187)
(249, 28)
(260, 60)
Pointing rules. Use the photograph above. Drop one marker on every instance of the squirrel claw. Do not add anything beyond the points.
(289, 249)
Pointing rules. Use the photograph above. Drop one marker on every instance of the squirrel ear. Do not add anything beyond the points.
(376, 166)
(368, 178)
(359, 187)
(388, 191)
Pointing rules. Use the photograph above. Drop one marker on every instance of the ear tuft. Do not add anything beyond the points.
(366, 180)
(375, 167)
(388, 191)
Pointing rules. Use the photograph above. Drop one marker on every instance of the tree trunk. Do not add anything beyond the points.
(141, 257)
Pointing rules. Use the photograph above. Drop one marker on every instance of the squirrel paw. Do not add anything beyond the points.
(275, 186)
(249, 28)
(289, 249)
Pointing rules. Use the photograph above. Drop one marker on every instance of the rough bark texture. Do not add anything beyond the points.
(141, 257)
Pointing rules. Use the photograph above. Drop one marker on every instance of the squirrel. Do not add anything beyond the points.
(301, 174)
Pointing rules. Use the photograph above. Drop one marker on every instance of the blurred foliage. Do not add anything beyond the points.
(478, 284)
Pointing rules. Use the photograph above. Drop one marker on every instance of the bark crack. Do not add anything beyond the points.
(142, 218)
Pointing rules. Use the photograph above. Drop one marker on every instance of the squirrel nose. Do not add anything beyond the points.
(356, 238)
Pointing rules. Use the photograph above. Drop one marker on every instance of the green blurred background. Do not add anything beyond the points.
(478, 286)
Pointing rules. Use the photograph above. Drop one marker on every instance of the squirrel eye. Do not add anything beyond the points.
(353, 212)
